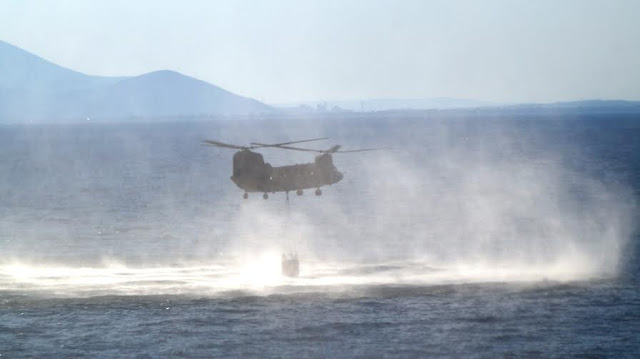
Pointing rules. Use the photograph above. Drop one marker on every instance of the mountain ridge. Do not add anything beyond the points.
(33, 88)
(38, 74)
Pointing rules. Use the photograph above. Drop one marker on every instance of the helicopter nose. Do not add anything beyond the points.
(339, 176)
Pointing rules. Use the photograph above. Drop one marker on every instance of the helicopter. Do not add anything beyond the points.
(252, 174)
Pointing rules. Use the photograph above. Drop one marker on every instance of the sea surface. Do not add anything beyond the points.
(474, 237)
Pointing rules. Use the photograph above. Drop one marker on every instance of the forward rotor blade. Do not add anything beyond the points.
(298, 149)
(334, 149)
(285, 143)
(222, 144)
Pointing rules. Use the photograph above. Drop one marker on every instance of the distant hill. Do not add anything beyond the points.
(563, 108)
(603, 105)
(21, 70)
(32, 88)
(374, 105)
(459, 107)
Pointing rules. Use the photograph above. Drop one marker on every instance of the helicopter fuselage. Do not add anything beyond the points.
(252, 174)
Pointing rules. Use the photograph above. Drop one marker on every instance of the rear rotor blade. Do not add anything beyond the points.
(364, 150)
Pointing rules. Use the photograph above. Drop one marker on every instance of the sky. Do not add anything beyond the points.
(284, 51)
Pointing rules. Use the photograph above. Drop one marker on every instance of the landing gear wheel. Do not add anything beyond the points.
(265, 196)
(299, 192)
(318, 192)
(245, 195)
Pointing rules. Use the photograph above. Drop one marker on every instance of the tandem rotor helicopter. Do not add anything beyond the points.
(252, 174)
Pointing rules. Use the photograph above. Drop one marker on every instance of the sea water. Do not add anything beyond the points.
(465, 237)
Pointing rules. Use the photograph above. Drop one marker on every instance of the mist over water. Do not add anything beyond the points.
(136, 209)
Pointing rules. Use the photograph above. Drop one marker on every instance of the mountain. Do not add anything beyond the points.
(21, 70)
(32, 88)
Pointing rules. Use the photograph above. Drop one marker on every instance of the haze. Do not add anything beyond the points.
(286, 51)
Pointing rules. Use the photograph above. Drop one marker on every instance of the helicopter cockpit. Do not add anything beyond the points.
(247, 162)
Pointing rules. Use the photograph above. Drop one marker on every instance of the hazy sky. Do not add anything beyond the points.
(281, 51)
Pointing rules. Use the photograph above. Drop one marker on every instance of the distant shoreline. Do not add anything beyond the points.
(513, 113)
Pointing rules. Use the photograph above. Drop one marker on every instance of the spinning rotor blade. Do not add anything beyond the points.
(298, 148)
(282, 145)
(222, 144)
(334, 149)
(256, 145)
(364, 150)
